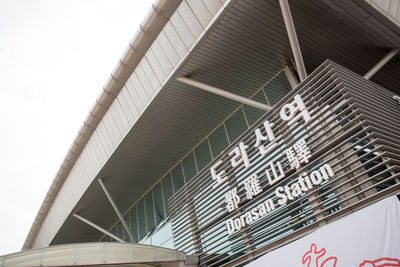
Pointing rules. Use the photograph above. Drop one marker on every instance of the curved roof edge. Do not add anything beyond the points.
(100, 253)
(389, 10)
(151, 26)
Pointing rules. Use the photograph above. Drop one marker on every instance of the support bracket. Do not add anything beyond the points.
(223, 93)
(291, 77)
(95, 226)
(381, 63)
(294, 42)
(117, 211)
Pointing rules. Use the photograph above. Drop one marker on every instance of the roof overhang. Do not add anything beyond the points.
(151, 26)
(244, 48)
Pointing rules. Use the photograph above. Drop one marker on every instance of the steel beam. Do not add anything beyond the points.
(98, 228)
(223, 93)
(381, 63)
(294, 42)
(117, 210)
(291, 77)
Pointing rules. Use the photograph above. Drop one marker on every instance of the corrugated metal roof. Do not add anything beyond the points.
(244, 48)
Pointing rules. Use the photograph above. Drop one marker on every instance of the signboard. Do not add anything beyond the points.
(328, 147)
(295, 155)
(367, 238)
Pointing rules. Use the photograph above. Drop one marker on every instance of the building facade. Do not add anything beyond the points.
(228, 130)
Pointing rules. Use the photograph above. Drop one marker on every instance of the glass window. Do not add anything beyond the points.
(120, 233)
(147, 241)
(277, 88)
(177, 177)
(158, 204)
(163, 235)
(218, 140)
(189, 167)
(148, 199)
(252, 113)
(236, 125)
(126, 235)
(114, 232)
(203, 154)
(141, 219)
(133, 223)
(169, 244)
(167, 191)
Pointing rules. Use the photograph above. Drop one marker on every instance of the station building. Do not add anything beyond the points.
(235, 132)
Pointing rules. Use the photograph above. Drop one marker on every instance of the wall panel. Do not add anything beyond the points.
(156, 67)
(149, 73)
(182, 29)
(201, 11)
(162, 58)
(175, 39)
(166, 45)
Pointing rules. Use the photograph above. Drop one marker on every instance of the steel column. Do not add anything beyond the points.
(223, 93)
(294, 42)
(95, 226)
(116, 210)
(381, 63)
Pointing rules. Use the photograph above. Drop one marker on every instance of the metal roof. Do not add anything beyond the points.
(245, 46)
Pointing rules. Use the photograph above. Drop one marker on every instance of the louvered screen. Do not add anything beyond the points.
(348, 154)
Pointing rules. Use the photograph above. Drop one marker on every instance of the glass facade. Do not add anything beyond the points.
(148, 218)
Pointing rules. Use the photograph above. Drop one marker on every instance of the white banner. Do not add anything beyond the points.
(369, 237)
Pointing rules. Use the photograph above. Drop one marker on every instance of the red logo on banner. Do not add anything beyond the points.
(314, 258)
(382, 262)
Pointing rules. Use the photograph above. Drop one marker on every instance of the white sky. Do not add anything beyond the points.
(55, 57)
